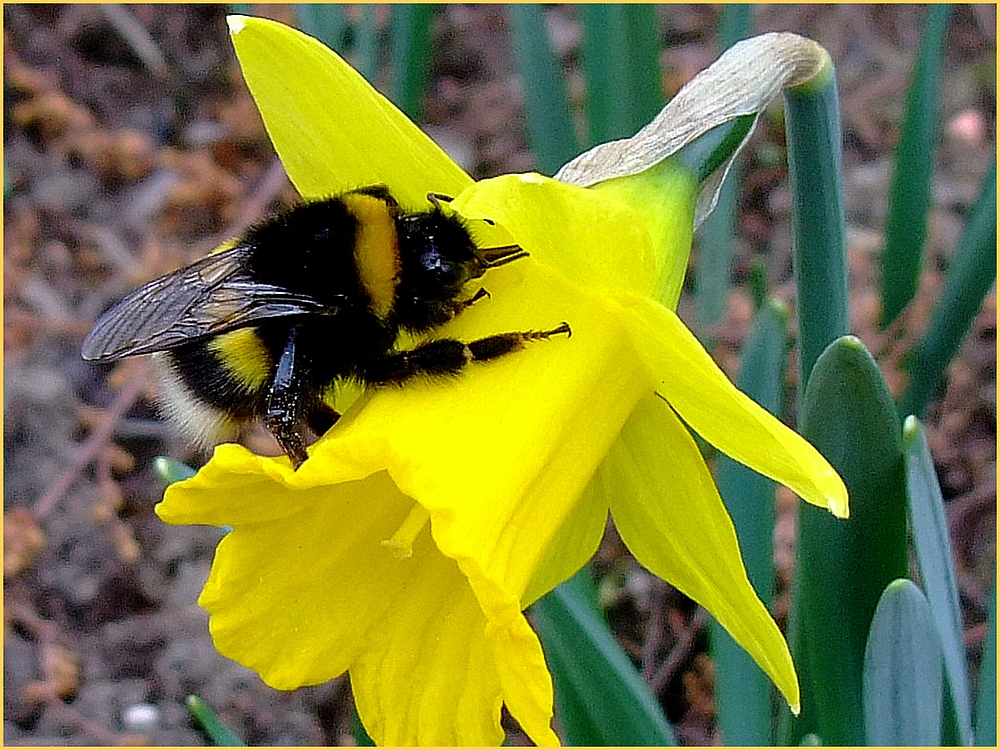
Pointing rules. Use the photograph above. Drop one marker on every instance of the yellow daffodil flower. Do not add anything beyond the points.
(407, 547)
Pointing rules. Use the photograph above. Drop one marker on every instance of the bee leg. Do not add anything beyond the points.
(448, 356)
(321, 417)
(284, 404)
(472, 300)
(491, 347)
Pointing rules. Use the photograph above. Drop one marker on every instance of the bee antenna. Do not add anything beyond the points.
(436, 199)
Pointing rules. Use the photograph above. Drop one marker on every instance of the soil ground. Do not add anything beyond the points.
(131, 147)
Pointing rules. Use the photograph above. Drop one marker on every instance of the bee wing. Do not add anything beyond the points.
(211, 296)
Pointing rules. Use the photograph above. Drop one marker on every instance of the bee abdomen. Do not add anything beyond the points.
(213, 386)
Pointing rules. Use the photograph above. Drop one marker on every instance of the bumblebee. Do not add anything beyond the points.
(315, 295)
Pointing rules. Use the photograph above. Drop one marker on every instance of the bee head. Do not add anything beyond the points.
(438, 258)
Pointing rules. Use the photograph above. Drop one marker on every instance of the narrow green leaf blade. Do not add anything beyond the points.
(902, 671)
(547, 111)
(972, 272)
(932, 544)
(717, 233)
(365, 58)
(600, 697)
(735, 23)
(986, 696)
(358, 731)
(742, 690)
(410, 50)
(325, 21)
(620, 57)
(714, 258)
(217, 732)
(909, 194)
(842, 566)
(171, 470)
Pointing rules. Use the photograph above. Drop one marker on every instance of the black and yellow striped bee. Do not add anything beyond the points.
(313, 296)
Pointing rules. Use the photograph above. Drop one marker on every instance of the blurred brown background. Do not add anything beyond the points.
(131, 147)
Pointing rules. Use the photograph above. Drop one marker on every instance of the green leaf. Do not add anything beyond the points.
(812, 124)
(410, 49)
(972, 272)
(365, 57)
(909, 194)
(600, 697)
(217, 732)
(325, 21)
(986, 697)
(546, 104)
(934, 556)
(715, 236)
(742, 690)
(358, 731)
(735, 23)
(170, 470)
(842, 566)
(902, 672)
(714, 257)
(620, 58)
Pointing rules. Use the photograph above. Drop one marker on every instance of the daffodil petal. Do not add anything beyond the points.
(527, 685)
(267, 488)
(669, 513)
(428, 674)
(207, 497)
(328, 124)
(356, 605)
(307, 628)
(573, 544)
(592, 239)
(705, 398)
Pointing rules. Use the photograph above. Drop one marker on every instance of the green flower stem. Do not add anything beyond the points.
(742, 690)
(600, 697)
(843, 566)
(620, 55)
(547, 110)
(972, 272)
(909, 195)
(812, 122)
